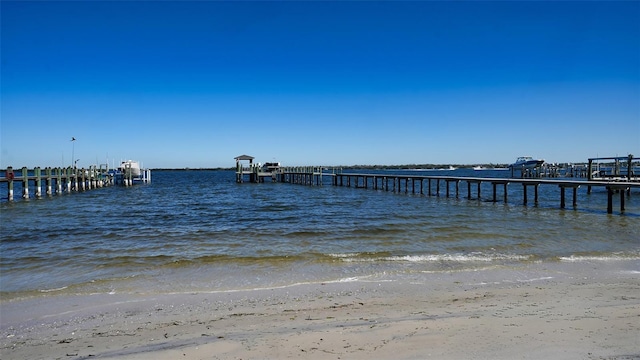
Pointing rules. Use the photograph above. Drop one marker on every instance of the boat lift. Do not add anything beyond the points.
(616, 171)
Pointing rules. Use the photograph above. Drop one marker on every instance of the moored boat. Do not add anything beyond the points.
(130, 166)
(526, 162)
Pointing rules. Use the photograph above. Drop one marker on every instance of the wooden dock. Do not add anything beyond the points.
(450, 185)
(410, 182)
(617, 183)
(65, 180)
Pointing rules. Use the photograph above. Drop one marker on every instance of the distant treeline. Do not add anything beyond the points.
(369, 167)
(194, 169)
(384, 167)
(419, 166)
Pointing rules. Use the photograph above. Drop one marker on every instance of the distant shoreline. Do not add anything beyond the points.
(370, 167)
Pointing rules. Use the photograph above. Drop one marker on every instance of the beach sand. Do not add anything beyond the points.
(585, 310)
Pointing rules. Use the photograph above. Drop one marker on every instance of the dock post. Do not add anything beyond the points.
(469, 190)
(25, 183)
(9, 175)
(535, 194)
(447, 184)
(68, 178)
(58, 181)
(562, 195)
(84, 179)
(494, 191)
(437, 187)
(479, 183)
(48, 180)
(457, 188)
(38, 173)
(524, 194)
(610, 190)
(429, 184)
(76, 186)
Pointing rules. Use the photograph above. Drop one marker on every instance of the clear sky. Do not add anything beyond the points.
(194, 84)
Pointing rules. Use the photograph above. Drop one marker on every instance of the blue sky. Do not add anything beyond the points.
(194, 84)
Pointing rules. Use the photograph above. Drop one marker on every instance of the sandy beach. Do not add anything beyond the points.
(586, 310)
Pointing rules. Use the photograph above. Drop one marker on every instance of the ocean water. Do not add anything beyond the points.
(193, 231)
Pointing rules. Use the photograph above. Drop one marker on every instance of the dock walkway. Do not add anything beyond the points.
(419, 183)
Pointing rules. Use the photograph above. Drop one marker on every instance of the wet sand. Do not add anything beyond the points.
(587, 310)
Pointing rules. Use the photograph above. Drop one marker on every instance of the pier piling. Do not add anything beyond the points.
(25, 183)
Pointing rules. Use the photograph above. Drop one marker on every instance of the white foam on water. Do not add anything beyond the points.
(614, 257)
(474, 257)
(52, 290)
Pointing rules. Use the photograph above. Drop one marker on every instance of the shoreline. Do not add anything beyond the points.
(583, 310)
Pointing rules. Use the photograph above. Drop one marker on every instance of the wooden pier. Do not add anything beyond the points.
(433, 185)
(377, 181)
(314, 176)
(66, 180)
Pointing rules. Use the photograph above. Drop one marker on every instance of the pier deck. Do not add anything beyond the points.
(399, 182)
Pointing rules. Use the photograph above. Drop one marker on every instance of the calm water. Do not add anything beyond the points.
(200, 231)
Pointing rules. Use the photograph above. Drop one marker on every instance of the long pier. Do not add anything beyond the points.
(70, 179)
(433, 185)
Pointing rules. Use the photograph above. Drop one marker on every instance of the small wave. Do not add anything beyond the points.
(475, 257)
(343, 256)
(513, 281)
(609, 257)
(343, 280)
(458, 257)
(52, 290)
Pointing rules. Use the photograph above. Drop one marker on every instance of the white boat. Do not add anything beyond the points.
(132, 166)
(526, 162)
